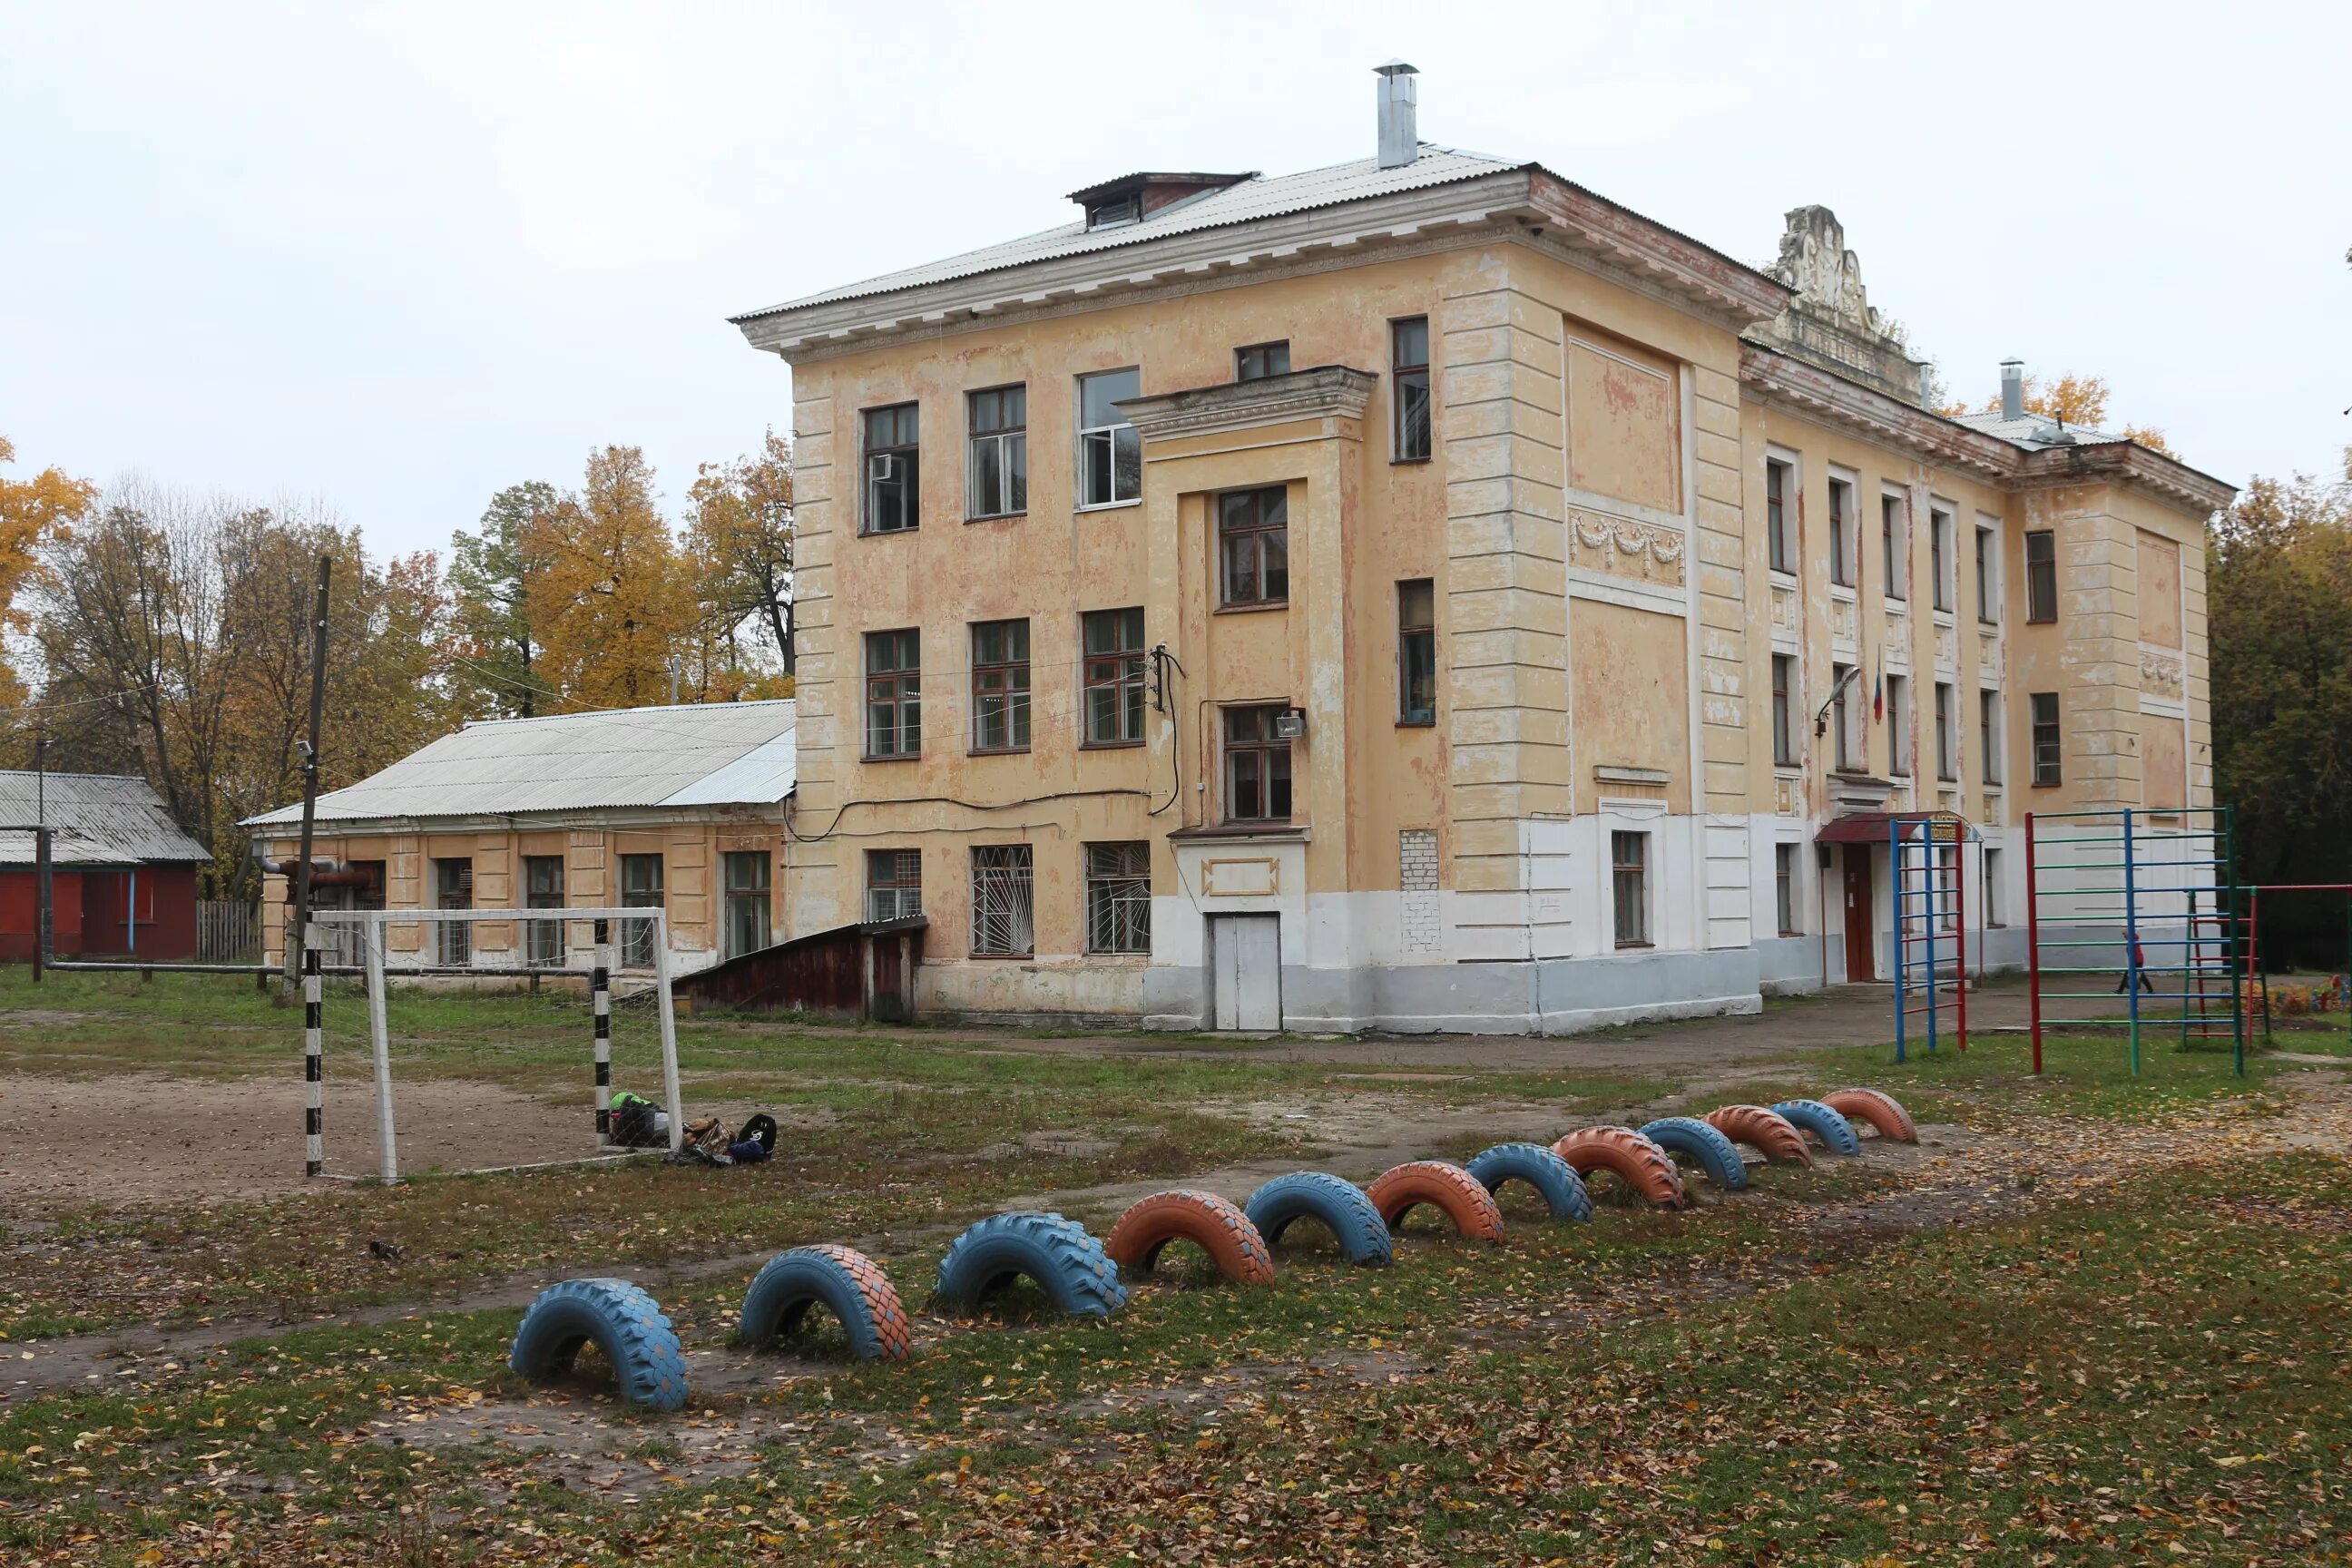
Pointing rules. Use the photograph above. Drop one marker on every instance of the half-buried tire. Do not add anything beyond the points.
(844, 1282)
(1645, 1167)
(1834, 1132)
(1688, 1136)
(1768, 1132)
(1071, 1266)
(1451, 1190)
(1338, 1206)
(1206, 1220)
(1553, 1178)
(622, 1321)
(1879, 1110)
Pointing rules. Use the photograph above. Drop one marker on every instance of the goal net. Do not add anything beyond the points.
(466, 1041)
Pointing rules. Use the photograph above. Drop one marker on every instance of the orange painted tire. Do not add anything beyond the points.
(1768, 1132)
(1460, 1196)
(1879, 1110)
(1207, 1221)
(1638, 1162)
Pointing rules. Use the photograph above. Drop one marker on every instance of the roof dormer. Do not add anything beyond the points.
(1131, 198)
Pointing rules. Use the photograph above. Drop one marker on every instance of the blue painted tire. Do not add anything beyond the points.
(1553, 1178)
(625, 1322)
(1340, 1206)
(1067, 1264)
(1828, 1125)
(846, 1283)
(1716, 1154)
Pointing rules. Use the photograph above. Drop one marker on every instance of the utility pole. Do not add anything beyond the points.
(44, 889)
(299, 931)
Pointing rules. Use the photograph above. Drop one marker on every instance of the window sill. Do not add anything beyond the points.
(1781, 576)
(998, 517)
(892, 757)
(1253, 609)
(2047, 783)
(1111, 505)
(1410, 462)
(1003, 958)
(996, 751)
(1637, 947)
(888, 532)
(1109, 745)
(1428, 723)
(1212, 832)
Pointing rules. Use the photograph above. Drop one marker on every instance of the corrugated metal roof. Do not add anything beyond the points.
(1249, 200)
(2033, 432)
(116, 820)
(718, 754)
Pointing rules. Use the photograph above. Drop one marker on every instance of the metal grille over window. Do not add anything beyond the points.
(893, 469)
(894, 884)
(1409, 370)
(2048, 764)
(1110, 451)
(999, 480)
(1114, 677)
(1257, 766)
(1003, 924)
(1000, 685)
(1254, 543)
(1628, 873)
(748, 899)
(1119, 898)
(894, 700)
(1416, 652)
(543, 890)
(453, 889)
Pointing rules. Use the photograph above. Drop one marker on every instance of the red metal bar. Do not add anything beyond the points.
(1960, 917)
(2032, 945)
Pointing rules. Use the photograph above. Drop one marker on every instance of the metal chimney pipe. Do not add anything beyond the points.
(1399, 127)
(2012, 389)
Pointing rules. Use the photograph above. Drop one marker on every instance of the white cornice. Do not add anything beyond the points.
(1325, 391)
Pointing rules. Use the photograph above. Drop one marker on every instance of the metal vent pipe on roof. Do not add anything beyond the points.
(2012, 389)
(1399, 127)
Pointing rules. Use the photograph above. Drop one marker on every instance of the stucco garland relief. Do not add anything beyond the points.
(2160, 674)
(1620, 545)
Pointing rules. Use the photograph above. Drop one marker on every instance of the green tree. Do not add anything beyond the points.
(739, 537)
(496, 668)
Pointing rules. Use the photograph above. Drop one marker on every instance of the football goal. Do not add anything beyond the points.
(469, 1065)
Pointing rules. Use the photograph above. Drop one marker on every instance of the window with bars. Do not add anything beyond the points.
(543, 880)
(1002, 913)
(1779, 544)
(893, 463)
(1110, 451)
(1893, 541)
(1784, 705)
(748, 900)
(894, 884)
(1629, 887)
(1254, 546)
(1416, 651)
(894, 694)
(1784, 887)
(2041, 577)
(1258, 766)
(1114, 677)
(453, 889)
(641, 888)
(998, 482)
(1119, 898)
(1988, 733)
(2048, 754)
(1842, 541)
(1409, 377)
(1259, 361)
(1000, 685)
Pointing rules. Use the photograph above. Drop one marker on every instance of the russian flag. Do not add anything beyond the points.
(1878, 691)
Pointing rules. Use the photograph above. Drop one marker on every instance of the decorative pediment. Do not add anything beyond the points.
(1325, 391)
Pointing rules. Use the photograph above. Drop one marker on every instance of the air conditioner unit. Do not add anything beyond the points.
(1290, 724)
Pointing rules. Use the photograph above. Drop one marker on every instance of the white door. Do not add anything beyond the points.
(1245, 979)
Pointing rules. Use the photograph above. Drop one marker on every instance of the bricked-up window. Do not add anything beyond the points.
(1259, 361)
(1111, 450)
(2041, 577)
(1000, 685)
(894, 467)
(1988, 733)
(1947, 737)
(1003, 921)
(1842, 541)
(1988, 577)
(748, 900)
(1842, 715)
(1114, 677)
(1939, 558)
(1898, 726)
(894, 884)
(1416, 651)
(894, 694)
(2047, 768)
(1784, 703)
(1254, 546)
(542, 880)
(1784, 887)
(1629, 887)
(1257, 766)
(1780, 546)
(1119, 898)
(1409, 377)
(453, 889)
(998, 484)
(1893, 543)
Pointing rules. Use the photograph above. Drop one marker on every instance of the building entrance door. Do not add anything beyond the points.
(1246, 971)
(1859, 936)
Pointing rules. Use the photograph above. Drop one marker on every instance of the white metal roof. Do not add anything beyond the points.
(107, 819)
(718, 754)
(2034, 431)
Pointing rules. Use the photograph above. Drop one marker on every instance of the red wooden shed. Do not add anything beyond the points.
(122, 873)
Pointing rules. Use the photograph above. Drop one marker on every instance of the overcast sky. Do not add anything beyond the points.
(398, 257)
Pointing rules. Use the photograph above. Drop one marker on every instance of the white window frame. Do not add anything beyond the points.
(1110, 433)
(1649, 897)
(1011, 446)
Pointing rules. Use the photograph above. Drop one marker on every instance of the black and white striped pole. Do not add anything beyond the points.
(314, 1061)
(600, 989)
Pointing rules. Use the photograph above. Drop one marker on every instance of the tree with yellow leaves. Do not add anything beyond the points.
(31, 512)
(608, 597)
(739, 537)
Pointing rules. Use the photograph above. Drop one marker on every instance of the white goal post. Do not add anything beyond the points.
(371, 925)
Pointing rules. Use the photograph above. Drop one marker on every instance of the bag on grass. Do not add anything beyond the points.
(636, 1122)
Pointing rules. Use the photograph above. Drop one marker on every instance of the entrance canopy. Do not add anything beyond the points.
(1871, 827)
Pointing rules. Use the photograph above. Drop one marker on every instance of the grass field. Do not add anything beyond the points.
(2094, 1319)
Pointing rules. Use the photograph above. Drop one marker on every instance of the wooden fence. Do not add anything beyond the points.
(227, 932)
